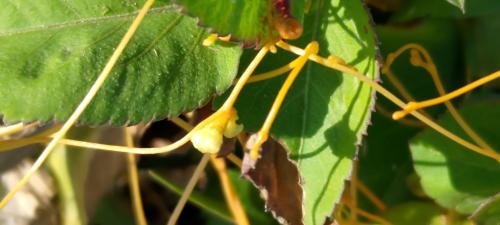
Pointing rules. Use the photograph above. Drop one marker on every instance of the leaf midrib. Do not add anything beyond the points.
(307, 75)
(81, 22)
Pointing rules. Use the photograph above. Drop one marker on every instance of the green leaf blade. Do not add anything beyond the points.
(243, 19)
(454, 176)
(50, 62)
(325, 112)
(250, 22)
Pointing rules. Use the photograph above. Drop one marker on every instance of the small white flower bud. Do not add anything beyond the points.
(207, 140)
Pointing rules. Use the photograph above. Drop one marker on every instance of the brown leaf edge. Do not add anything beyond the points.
(277, 177)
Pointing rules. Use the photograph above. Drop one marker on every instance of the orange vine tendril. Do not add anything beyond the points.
(188, 190)
(354, 72)
(353, 193)
(232, 199)
(346, 212)
(408, 122)
(412, 106)
(371, 196)
(133, 178)
(230, 195)
(331, 62)
(263, 134)
(6, 131)
(420, 57)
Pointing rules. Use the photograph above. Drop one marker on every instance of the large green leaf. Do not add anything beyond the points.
(454, 176)
(248, 21)
(447, 9)
(326, 111)
(52, 52)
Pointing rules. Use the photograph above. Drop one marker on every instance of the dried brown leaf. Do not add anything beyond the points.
(277, 177)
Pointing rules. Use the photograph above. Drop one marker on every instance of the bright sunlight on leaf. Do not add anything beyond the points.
(325, 112)
(53, 51)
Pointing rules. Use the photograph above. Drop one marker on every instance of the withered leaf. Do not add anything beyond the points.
(277, 177)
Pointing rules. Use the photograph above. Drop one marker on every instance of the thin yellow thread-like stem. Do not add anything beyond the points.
(371, 196)
(38, 138)
(188, 190)
(431, 68)
(263, 134)
(235, 160)
(232, 200)
(412, 106)
(182, 124)
(408, 122)
(6, 145)
(133, 180)
(371, 217)
(12, 129)
(348, 70)
(272, 73)
(230, 195)
(399, 86)
(401, 89)
(229, 103)
(353, 193)
(83, 105)
(339, 218)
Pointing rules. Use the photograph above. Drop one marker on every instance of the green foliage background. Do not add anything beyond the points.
(51, 52)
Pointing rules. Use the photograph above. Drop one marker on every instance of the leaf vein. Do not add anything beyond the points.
(83, 21)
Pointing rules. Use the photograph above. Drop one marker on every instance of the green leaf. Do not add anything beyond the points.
(110, 211)
(489, 212)
(392, 160)
(248, 21)
(52, 52)
(482, 47)
(453, 175)
(447, 9)
(326, 111)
